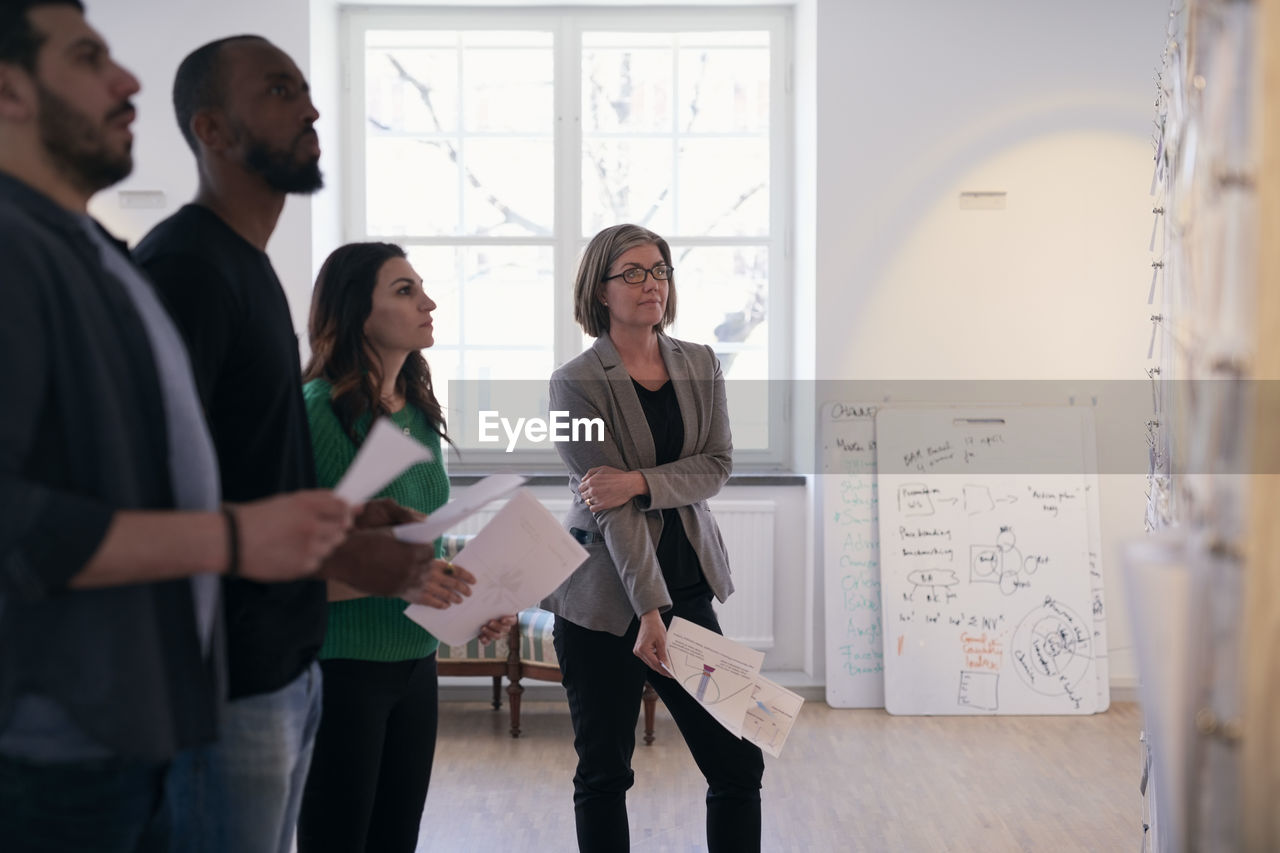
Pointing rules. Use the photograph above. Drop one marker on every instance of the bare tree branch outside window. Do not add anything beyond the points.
(615, 178)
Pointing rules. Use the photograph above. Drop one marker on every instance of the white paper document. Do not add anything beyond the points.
(386, 452)
(519, 557)
(716, 671)
(724, 676)
(472, 499)
(773, 712)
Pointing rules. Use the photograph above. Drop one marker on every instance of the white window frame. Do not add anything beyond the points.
(567, 24)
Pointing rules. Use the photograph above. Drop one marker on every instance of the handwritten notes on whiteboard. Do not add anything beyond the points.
(986, 526)
(850, 549)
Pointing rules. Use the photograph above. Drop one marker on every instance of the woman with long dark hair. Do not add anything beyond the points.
(370, 321)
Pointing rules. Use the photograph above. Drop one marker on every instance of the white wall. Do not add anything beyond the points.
(150, 38)
(900, 106)
(1050, 102)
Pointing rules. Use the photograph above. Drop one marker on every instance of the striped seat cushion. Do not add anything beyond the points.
(453, 543)
(495, 651)
(535, 643)
(535, 637)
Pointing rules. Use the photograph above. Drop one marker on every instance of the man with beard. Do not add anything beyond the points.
(110, 649)
(245, 109)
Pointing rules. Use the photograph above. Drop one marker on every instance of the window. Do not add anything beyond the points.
(492, 144)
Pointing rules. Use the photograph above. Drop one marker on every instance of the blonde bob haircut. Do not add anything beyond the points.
(600, 254)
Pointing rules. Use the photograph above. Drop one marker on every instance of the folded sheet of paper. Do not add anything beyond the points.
(470, 501)
(521, 555)
(724, 676)
(385, 453)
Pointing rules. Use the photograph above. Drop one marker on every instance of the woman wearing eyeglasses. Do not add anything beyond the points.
(654, 550)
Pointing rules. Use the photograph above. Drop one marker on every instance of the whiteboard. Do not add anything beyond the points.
(850, 555)
(987, 527)
(1096, 579)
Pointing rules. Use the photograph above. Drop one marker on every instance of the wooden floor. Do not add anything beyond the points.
(848, 780)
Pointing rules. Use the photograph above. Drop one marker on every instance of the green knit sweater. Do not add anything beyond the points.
(374, 628)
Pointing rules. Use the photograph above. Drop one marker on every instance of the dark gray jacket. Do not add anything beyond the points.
(82, 435)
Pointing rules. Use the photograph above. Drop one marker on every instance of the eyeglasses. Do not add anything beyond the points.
(635, 276)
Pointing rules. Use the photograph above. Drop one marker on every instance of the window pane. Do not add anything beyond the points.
(724, 90)
(491, 296)
(507, 299)
(723, 187)
(627, 90)
(411, 187)
(443, 363)
(717, 186)
(461, 126)
(508, 90)
(721, 299)
(488, 391)
(626, 181)
(441, 269)
(412, 90)
(509, 187)
(492, 322)
(438, 269)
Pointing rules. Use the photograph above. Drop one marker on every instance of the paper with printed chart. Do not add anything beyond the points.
(725, 678)
(519, 557)
(385, 453)
(470, 501)
(771, 715)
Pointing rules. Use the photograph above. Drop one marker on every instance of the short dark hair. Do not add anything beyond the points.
(200, 83)
(19, 41)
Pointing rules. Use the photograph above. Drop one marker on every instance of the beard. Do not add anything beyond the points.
(77, 146)
(281, 169)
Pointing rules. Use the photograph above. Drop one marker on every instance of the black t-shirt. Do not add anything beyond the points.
(681, 568)
(225, 297)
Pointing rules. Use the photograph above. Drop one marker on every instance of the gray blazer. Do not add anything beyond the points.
(621, 578)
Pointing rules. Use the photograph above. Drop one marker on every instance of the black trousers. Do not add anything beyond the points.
(372, 760)
(604, 681)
